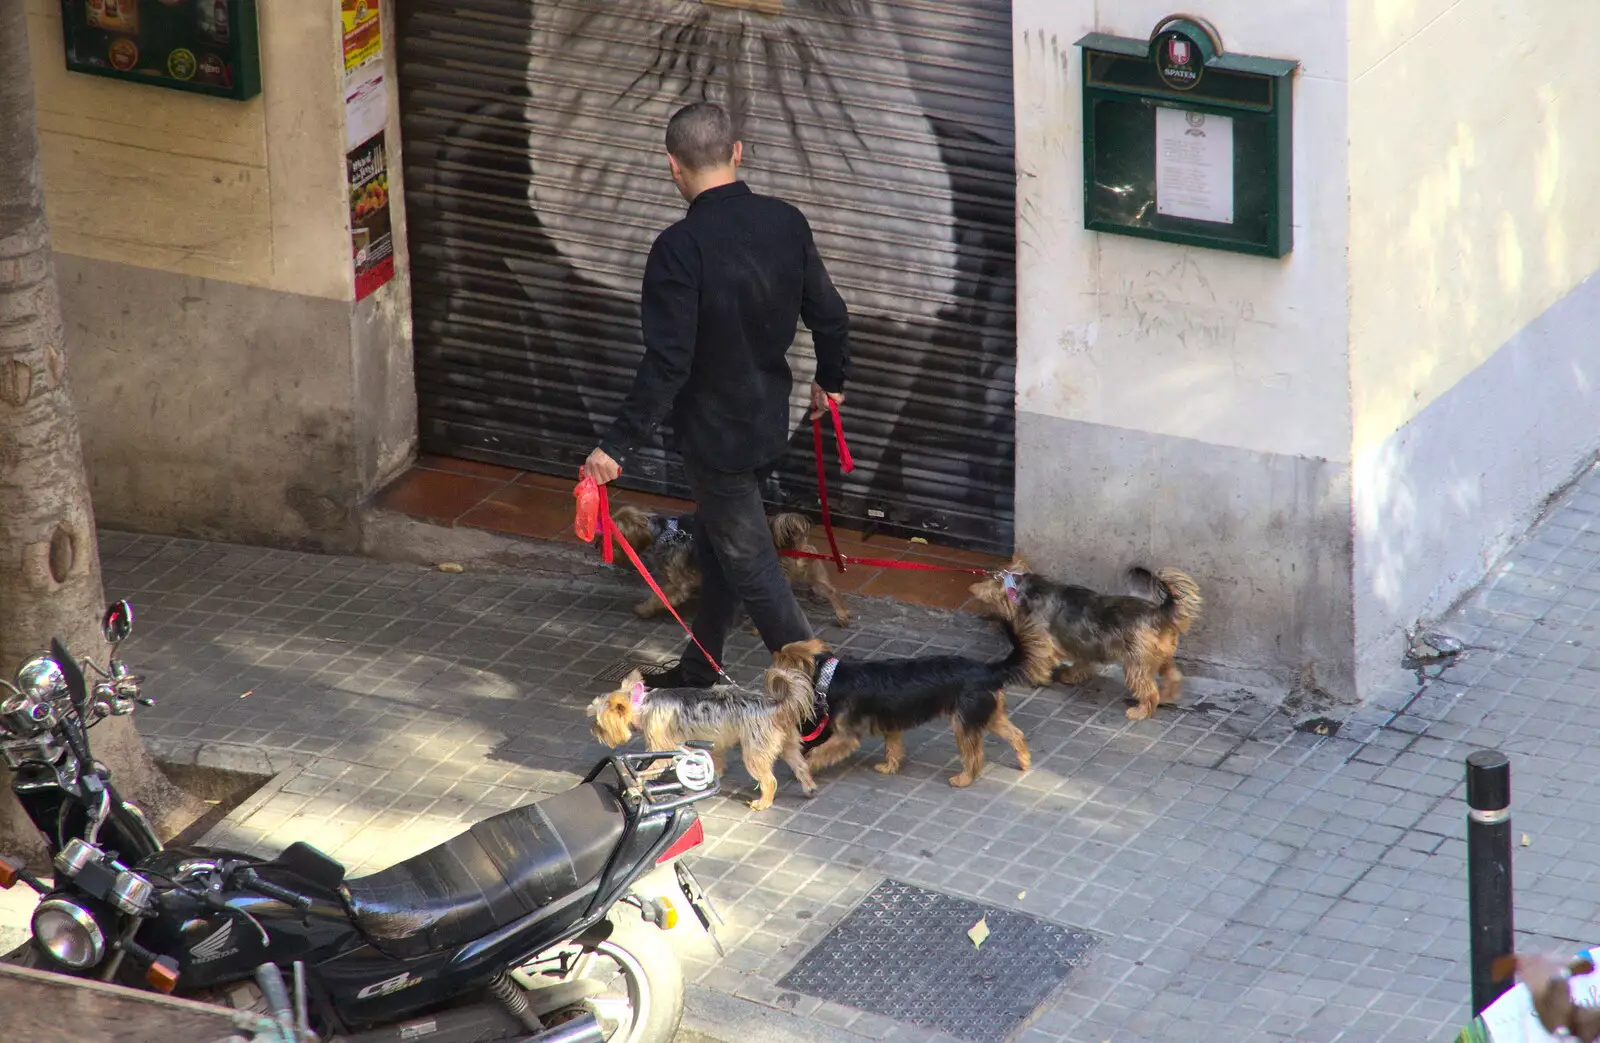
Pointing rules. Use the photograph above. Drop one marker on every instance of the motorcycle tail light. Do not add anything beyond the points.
(68, 933)
(692, 837)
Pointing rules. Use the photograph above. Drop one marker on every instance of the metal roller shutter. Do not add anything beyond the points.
(535, 183)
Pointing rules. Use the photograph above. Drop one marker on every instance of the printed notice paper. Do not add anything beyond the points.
(1194, 165)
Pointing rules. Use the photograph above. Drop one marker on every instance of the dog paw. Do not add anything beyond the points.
(961, 781)
(885, 768)
(760, 805)
(1137, 713)
(1025, 764)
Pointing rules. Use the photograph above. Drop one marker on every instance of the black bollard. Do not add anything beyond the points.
(1489, 872)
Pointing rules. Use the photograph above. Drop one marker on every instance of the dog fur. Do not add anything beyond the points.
(675, 567)
(764, 727)
(1090, 630)
(889, 696)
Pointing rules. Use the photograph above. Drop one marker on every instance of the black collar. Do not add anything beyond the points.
(721, 192)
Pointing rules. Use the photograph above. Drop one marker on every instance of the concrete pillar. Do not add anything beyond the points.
(228, 383)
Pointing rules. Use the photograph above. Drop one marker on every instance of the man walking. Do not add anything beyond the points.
(723, 291)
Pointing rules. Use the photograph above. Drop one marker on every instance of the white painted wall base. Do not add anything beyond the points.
(1442, 498)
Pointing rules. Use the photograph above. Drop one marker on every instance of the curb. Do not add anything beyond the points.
(728, 1018)
(220, 756)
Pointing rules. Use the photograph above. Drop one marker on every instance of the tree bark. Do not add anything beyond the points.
(49, 558)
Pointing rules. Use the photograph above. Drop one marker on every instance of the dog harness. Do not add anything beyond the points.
(819, 694)
(672, 530)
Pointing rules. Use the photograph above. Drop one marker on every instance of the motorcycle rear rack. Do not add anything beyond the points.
(653, 792)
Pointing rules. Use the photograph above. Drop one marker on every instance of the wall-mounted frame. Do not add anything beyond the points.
(200, 46)
(1187, 144)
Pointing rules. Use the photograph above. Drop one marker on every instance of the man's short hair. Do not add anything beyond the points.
(700, 136)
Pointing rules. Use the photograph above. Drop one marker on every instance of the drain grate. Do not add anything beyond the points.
(623, 667)
(904, 953)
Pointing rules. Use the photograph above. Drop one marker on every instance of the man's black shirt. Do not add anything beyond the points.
(724, 289)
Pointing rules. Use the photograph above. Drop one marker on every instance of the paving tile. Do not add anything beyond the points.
(1247, 877)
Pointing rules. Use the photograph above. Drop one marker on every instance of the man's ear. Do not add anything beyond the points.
(672, 165)
(738, 154)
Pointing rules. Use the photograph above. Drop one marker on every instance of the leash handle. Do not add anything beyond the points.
(847, 463)
(607, 529)
(822, 483)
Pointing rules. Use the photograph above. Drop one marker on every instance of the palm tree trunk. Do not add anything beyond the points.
(49, 559)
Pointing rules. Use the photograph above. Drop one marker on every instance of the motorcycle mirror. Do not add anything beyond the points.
(118, 622)
(71, 672)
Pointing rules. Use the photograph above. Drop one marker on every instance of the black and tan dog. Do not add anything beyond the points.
(669, 544)
(1090, 630)
(763, 726)
(889, 696)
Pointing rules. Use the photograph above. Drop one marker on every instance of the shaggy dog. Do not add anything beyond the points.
(668, 545)
(764, 726)
(1090, 630)
(889, 696)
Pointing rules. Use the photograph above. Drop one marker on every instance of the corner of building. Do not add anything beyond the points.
(1474, 364)
(228, 383)
(1183, 406)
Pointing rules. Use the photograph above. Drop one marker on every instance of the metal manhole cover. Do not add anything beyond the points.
(623, 667)
(905, 953)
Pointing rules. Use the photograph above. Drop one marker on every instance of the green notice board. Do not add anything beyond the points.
(1187, 144)
(201, 46)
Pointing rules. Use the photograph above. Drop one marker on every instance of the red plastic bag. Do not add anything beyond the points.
(588, 516)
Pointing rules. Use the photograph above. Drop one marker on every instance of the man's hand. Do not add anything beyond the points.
(819, 399)
(601, 467)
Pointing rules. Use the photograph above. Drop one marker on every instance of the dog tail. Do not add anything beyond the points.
(790, 530)
(1033, 653)
(1178, 593)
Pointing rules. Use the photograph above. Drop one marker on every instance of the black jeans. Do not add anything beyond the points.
(738, 563)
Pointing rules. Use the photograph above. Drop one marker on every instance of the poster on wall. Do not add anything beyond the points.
(1194, 165)
(371, 244)
(366, 111)
(363, 39)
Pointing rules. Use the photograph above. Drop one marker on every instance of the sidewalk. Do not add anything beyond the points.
(1245, 881)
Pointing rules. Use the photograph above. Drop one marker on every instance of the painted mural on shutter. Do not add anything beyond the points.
(536, 181)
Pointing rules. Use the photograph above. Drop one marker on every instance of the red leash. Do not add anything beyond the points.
(846, 465)
(595, 506)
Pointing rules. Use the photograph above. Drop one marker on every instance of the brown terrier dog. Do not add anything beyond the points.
(889, 696)
(669, 545)
(1091, 630)
(762, 726)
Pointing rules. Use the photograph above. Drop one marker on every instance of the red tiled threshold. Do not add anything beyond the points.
(452, 492)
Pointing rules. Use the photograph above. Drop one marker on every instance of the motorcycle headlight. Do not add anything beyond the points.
(41, 678)
(69, 933)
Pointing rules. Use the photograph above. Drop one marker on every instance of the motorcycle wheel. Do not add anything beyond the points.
(643, 979)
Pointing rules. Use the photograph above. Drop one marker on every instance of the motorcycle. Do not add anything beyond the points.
(513, 930)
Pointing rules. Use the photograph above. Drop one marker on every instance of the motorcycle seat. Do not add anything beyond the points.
(497, 872)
